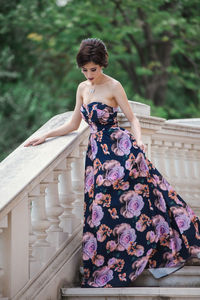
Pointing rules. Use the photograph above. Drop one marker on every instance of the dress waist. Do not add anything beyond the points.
(99, 127)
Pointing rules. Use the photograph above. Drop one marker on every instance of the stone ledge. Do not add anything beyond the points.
(188, 276)
(139, 292)
(191, 121)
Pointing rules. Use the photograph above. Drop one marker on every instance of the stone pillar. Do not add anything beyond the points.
(67, 197)
(53, 208)
(42, 250)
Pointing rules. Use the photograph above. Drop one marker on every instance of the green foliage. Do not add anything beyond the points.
(153, 51)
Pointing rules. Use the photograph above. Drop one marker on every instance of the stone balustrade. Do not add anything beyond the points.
(41, 202)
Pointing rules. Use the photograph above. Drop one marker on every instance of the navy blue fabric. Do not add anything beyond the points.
(133, 218)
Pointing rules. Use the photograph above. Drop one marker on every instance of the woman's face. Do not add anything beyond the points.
(92, 71)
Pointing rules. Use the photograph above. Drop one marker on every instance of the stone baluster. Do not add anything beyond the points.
(1, 264)
(191, 158)
(197, 160)
(177, 148)
(66, 196)
(154, 154)
(172, 163)
(53, 208)
(175, 151)
(196, 164)
(182, 163)
(38, 215)
(3, 258)
(189, 181)
(182, 181)
(161, 160)
(42, 249)
(78, 181)
(32, 239)
(187, 148)
(166, 160)
(147, 142)
(194, 179)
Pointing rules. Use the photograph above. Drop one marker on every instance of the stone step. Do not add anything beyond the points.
(131, 293)
(188, 276)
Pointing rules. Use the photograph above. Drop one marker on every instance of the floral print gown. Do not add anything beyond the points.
(133, 218)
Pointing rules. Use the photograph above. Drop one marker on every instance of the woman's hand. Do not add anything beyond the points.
(142, 145)
(36, 141)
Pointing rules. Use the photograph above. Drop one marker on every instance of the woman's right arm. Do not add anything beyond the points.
(66, 128)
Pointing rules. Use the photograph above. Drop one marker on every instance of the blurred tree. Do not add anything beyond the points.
(153, 51)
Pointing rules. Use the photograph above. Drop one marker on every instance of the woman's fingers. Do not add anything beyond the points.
(38, 142)
(33, 142)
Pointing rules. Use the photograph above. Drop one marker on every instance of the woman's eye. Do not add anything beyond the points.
(93, 70)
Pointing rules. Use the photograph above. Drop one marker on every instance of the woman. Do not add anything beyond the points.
(133, 218)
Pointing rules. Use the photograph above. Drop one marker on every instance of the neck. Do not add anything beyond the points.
(99, 80)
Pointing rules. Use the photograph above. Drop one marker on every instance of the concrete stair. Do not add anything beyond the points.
(188, 276)
(180, 285)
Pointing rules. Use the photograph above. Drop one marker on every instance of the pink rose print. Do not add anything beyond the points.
(101, 277)
(161, 182)
(89, 178)
(125, 236)
(175, 241)
(89, 245)
(133, 204)
(182, 218)
(122, 144)
(111, 245)
(195, 251)
(94, 149)
(116, 264)
(183, 222)
(98, 260)
(97, 215)
(161, 226)
(103, 115)
(138, 266)
(113, 172)
(160, 201)
(150, 236)
(142, 165)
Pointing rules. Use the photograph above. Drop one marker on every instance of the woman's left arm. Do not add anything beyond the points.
(122, 100)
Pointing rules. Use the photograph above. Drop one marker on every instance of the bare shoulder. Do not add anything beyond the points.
(82, 86)
(112, 82)
(116, 84)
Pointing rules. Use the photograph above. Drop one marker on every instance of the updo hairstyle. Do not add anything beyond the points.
(92, 50)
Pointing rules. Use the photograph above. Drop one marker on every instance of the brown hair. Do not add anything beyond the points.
(92, 50)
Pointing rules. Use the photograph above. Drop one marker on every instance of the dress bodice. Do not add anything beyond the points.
(99, 115)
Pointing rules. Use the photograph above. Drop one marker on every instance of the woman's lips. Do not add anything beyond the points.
(90, 78)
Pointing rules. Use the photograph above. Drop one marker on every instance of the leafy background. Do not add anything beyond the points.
(153, 51)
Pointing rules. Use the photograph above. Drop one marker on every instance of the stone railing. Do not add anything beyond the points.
(41, 204)
(41, 209)
(176, 150)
